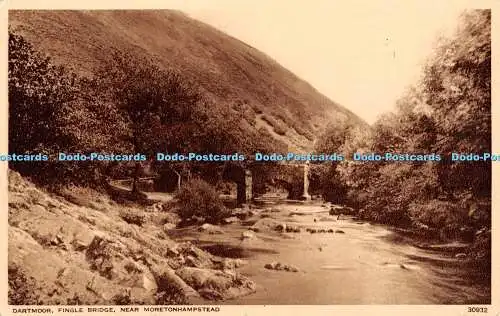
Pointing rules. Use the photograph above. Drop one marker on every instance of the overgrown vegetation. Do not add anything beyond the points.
(53, 110)
(198, 200)
(278, 127)
(132, 105)
(169, 294)
(448, 110)
(133, 216)
(22, 289)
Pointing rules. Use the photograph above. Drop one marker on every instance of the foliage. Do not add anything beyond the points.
(199, 199)
(170, 294)
(52, 110)
(133, 216)
(278, 127)
(131, 105)
(22, 289)
(448, 110)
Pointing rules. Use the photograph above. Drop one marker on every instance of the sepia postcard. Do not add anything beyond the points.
(249, 157)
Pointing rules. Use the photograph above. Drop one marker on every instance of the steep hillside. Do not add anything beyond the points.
(232, 73)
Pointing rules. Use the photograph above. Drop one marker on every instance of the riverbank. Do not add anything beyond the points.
(345, 261)
(91, 250)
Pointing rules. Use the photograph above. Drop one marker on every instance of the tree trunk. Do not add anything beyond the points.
(135, 141)
(178, 180)
(135, 188)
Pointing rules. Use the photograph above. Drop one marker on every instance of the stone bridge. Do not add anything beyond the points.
(243, 178)
(244, 188)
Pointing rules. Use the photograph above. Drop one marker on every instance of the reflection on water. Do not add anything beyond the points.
(369, 264)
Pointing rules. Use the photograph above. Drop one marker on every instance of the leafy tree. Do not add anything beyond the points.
(457, 87)
(155, 102)
(52, 110)
(448, 110)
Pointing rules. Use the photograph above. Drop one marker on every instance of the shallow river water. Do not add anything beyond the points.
(367, 264)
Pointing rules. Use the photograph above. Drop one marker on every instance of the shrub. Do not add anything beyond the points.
(480, 254)
(171, 296)
(257, 109)
(443, 215)
(197, 198)
(278, 127)
(22, 289)
(133, 217)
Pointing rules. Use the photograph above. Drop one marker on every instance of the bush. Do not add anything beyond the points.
(480, 254)
(438, 214)
(22, 289)
(133, 217)
(197, 198)
(278, 127)
(170, 295)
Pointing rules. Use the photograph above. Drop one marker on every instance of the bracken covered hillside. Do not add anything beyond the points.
(232, 73)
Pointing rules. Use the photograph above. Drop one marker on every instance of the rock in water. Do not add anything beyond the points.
(277, 266)
(290, 268)
(281, 227)
(211, 229)
(247, 235)
(230, 220)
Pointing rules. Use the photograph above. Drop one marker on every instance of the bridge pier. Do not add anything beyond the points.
(305, 195)
(244, 188)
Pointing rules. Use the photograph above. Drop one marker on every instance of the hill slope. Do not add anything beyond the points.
(235, 74)
(87, 251)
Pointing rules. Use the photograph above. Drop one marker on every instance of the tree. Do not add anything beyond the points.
(153, 100)
(53, 110)
(457, 87)
(447, 110)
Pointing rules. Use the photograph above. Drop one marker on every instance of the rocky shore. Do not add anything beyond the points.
(86, 252)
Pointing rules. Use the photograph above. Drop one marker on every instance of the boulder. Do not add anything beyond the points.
(194, 256)
(277, 266)
(281, 227)
(215, 284)
(79, 245)
(228, 263)
(242, 213)
(211, 229)
(292, 229)
(341, 210)
(166, 278)
(230, 220)
(247, 235)
(168, 226)
(264, 224)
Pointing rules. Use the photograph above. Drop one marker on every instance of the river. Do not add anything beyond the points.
(366, 264)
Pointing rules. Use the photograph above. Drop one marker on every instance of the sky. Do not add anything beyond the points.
(360, 54)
